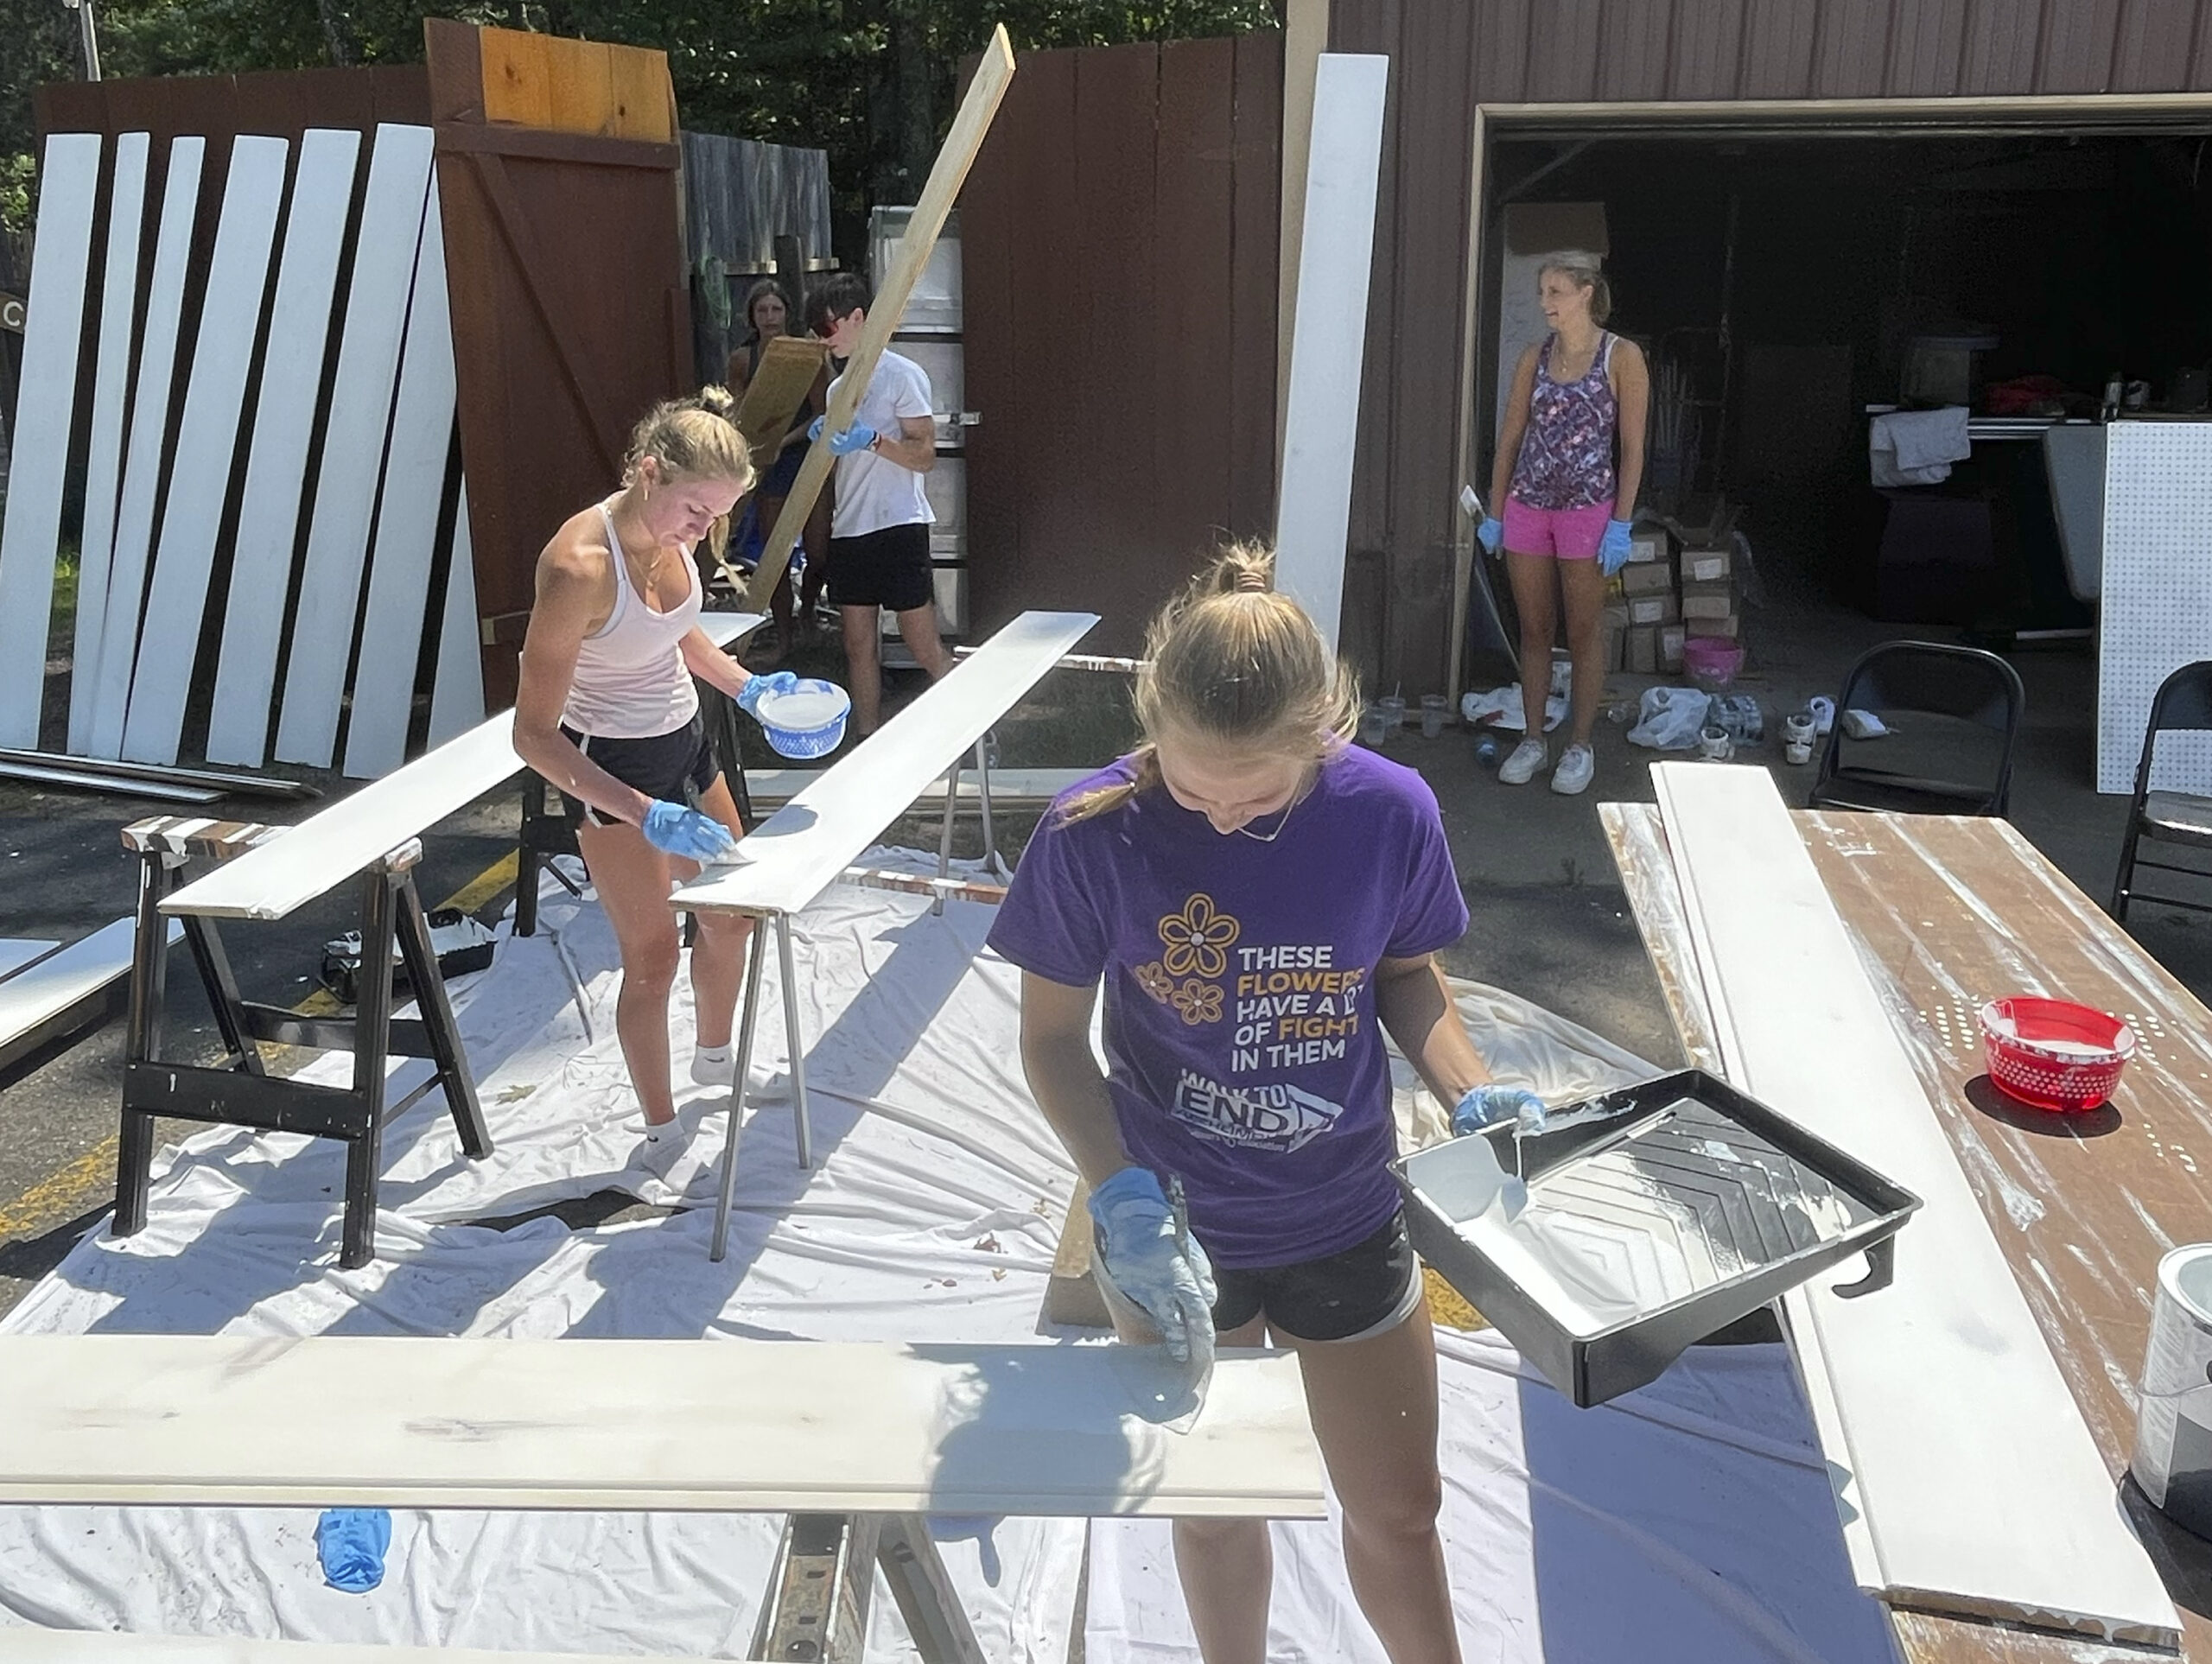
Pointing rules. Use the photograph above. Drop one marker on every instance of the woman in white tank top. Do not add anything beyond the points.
(607, 711)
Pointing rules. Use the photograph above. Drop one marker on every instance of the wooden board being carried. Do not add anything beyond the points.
(788, 369)
(725, 1425)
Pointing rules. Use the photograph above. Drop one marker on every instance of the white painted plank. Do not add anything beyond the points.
(275, 471)
(1336, 258)
(457, 684)
(17, 951)
(206, 447)
(103, 458)
(148, 453)
(1009, 786)
(800, 850)
(353, 444)
(727, 629)
(407, 519)
(61, 979)
(45, 404)
(332, 845)
(1979, 1489)
(738, 1425)
(99, 1647)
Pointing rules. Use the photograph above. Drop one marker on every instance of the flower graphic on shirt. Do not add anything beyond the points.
(1155, 981)
(1195, 938)
(1197, 1002)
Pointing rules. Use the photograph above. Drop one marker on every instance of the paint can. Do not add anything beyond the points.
(2173, 1429)
(1714, 744)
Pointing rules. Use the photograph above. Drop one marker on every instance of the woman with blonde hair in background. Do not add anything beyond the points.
(1260, 902)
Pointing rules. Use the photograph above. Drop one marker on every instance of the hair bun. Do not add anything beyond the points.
(717, 401)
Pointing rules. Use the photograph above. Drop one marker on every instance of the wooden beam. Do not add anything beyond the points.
(789, 368)
(982, 102)
(722, 1426)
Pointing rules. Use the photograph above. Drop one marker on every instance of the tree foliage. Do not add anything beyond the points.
(871, 81)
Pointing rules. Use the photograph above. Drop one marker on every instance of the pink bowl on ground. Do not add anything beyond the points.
(1712, 658)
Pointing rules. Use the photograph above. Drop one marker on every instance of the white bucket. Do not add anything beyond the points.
(2173, 1429)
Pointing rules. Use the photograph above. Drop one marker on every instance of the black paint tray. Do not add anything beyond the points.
(1657, 1214)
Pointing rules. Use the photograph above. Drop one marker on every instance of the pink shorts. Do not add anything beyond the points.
(1572, 534)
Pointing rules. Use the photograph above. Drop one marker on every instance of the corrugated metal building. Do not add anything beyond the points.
(1467, 73)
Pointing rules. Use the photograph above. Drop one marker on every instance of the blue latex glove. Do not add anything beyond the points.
(675, 830)
(749, 696)
(855, 438)
(351, 1544)
(1153, 1266)
(1614, 548)
(1492, 533)
(1492, 1102)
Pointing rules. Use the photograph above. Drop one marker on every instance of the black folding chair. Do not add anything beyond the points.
(2182, 705)
(1954, 713)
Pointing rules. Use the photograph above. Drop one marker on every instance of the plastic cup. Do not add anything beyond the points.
(1394, 711)
(1374, 726)
(1431, 715)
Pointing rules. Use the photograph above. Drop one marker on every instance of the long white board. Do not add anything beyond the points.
(1966, 1479)
(276, 469)
(45, 404)
(407, 519)
(148, 459)
(736, 1425)
(103, 453)
(800, 850)
(206, 443)
(457, 685)
(105, 1647)
(353, 444)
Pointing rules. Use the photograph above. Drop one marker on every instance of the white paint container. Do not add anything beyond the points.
(2173, 1430)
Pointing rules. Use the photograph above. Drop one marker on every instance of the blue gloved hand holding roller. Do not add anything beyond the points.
(1493, 1103)
(674, 830)
(1153, 1262)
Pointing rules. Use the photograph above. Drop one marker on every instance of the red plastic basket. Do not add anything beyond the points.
(2053, 1053)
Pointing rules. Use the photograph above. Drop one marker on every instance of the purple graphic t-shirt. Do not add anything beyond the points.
(1242, 1046)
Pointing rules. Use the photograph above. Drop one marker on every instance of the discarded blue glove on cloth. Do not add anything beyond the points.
(1616, 546)
(749, 696)
(675, 830)
(1491, 1103)
(1490, 534)
(351, 1544)
(1153, 1265)
(855, 438)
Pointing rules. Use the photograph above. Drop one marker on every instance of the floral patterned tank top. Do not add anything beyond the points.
(1566, 455)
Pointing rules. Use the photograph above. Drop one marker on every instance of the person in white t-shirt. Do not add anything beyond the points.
(880, 529)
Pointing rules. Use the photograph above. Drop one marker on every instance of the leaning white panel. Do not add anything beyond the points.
(149, 453)
(2155, 614)
(207, 446)
(353, 444)
(407, 520)
(126, 216)
(46, 401)
(457, 684)
(1952, 1431)
(734, 1425)
(276, 469)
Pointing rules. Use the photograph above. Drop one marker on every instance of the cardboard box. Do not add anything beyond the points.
(1705, 565)
(1612, 626)
(1652, 578)
(1670, 646)
(1653, 609)
(1642, 650)
(1702, 601)
(1649, 543)
(1732, 626)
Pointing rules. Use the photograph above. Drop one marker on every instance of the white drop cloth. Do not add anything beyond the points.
(1690, 1520)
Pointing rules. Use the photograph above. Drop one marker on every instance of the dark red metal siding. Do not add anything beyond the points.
(1448, 56)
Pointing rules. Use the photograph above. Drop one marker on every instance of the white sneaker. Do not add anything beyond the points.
(713, 1066)
(1576, 765)
(1521, 767)
(669, 1155)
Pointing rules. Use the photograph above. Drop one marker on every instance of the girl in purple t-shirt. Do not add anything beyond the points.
(1260, 902)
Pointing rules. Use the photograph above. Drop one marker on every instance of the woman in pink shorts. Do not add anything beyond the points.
(1579, 397)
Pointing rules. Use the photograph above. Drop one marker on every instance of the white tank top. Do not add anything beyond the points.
(631, 683)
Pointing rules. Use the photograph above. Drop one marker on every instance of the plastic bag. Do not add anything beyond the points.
(1669, 719)
(1500, 708)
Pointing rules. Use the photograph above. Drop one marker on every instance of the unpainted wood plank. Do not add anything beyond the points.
(796, 853)
(580, 76)
(147, 465)
(45, 402)
(457, 685)
(645, 101)
(1321, 419)
(517, 77)
(353, 444)
(206, 447)
(1975, 1489)
(789, 368)
(104, 453)
(953, 160)
(727, 1425)
(275, 471)
(1072, 1295)
(407, 519)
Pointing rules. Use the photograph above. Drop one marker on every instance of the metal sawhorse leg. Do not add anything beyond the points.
(756, 961)
(818, 1594)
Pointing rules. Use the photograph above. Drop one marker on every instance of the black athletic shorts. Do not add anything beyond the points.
(1370, 1286)
(890, 568)
(672, 767)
